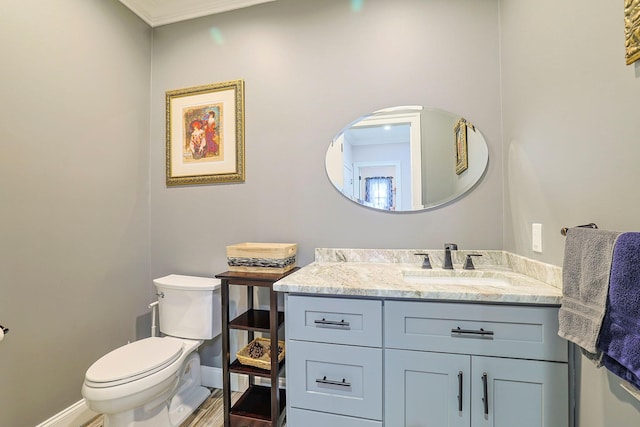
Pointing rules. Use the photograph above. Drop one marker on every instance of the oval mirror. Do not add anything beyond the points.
(407, 158)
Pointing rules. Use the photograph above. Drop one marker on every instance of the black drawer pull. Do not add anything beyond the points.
(324, 322)
(481, 332)
(485, 393)
(460, 391)
(342, 383)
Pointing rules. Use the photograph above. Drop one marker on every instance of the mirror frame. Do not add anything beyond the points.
(465, 137)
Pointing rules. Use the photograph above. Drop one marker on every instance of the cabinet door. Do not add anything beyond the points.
(522, 393)
(423, 389)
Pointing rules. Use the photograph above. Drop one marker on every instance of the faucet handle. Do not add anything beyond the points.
(426, 263)
(451, 246)
(468, 264)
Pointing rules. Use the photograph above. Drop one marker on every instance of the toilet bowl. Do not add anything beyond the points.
(156, 382)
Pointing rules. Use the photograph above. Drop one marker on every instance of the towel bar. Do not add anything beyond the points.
(633, 391)
(564, 230)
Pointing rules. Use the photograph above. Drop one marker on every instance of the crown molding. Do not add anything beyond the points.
(162, 12)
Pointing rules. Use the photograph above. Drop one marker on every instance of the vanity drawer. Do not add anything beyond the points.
(340, 379)
(300, 417)
(483, 329)
(334, 320)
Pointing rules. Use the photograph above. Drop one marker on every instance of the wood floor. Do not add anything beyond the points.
(209, 414)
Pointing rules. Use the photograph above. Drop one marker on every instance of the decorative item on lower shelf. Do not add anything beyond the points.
(258, 353)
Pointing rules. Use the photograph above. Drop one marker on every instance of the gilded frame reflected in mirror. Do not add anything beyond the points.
(632, 30)
(407, 158)
(460, 131)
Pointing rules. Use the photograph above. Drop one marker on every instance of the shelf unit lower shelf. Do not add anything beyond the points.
(253, 408)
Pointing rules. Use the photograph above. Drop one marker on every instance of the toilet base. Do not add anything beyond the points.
(161, 412)
(184, 405)
(190, 393)
(139, 417)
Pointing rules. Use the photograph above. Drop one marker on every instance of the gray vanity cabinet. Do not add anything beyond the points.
(462, 365)
(355, 362)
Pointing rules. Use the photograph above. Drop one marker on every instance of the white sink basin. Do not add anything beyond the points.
(464, 278)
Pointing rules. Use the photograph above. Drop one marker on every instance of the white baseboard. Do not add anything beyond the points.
(74, 416)
(79, 413)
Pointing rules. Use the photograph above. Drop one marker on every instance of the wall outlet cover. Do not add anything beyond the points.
(536, 238)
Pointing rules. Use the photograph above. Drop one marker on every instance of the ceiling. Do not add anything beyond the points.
(369, 135)
(161, 12)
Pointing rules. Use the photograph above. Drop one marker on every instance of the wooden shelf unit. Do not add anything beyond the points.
(259, 406)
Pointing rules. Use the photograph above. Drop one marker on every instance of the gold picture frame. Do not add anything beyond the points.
(460, 133)
(205, 134)
(632, 30)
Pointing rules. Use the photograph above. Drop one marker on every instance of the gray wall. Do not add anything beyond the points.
(310, 68)
(571, 150)
(74, 251)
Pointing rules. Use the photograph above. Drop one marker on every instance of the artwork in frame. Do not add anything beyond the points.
(632, 30)
(460, 133)
(205, 134)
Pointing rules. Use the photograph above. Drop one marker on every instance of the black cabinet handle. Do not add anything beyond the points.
(324, 380)
(323, 322)
(457, 331)
(460, 391)
(485, 393)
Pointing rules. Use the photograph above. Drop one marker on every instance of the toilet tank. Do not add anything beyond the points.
(189, 306)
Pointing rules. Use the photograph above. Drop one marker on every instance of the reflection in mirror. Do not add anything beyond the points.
(407, 158)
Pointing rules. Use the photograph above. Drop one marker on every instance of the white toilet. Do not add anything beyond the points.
(155, 382)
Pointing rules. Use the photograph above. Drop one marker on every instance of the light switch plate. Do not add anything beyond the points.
(536, 237)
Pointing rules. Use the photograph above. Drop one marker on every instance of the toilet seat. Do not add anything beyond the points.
(133, 362)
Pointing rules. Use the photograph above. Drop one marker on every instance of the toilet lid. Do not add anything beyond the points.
(135, 360)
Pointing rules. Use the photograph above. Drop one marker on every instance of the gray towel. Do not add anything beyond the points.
(585, 286)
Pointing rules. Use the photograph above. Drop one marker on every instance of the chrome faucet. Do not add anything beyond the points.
(448, 247)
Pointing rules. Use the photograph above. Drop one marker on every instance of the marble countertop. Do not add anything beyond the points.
(499, 277)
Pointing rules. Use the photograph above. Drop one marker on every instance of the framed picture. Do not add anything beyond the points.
(205, 134)
(460, 132)
(632, 30)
